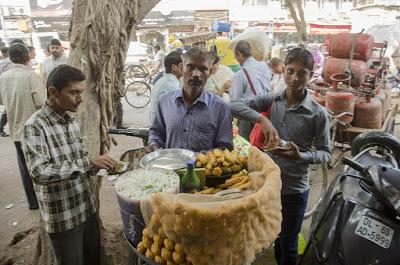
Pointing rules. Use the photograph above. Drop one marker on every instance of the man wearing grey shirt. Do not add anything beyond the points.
(296, 118)
(253, 79)
(57, 58)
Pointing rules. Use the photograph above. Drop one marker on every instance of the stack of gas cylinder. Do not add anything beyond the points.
(348, 87)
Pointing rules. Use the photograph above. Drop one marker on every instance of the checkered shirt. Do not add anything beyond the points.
(58, 163)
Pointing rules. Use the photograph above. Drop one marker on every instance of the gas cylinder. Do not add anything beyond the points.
(359, 69)
(381, 95)
(338, 102)
(341, 46)
(319, 98)
(368, 113)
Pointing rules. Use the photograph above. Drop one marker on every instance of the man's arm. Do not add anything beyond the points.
(249, 108)
(224, 137)
(38, 92)
(37, 155)
(322, 142)
(237, 86)
(157, 132)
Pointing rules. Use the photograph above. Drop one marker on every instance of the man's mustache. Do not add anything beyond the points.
(195, 82)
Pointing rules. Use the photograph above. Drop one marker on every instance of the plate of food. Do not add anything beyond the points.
(220, 165)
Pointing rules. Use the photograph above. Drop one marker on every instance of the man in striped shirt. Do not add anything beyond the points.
(59, 164)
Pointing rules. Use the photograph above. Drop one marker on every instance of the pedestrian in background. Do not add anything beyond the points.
(57, 57)
(159, 58)
(168, 82)
(254, 78)
(22, 93)
(277, 82)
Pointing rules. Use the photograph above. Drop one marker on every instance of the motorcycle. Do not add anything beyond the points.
(358, 221)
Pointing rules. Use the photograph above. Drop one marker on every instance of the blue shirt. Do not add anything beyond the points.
(260, 75)
(307, 125)
(167, 83)
(205, 125)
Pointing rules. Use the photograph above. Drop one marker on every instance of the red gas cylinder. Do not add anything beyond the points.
(341, 44)
(368, 113)
(339, 102)
(335, 66)
(381, 95)
(319, 98)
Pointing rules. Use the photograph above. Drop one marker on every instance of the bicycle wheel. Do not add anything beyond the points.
(318, 186)
(137, 71)
(137, 94)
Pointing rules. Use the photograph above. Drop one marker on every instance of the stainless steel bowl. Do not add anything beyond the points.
(173, 159)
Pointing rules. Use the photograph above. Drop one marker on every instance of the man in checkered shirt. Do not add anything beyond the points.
(59, 164)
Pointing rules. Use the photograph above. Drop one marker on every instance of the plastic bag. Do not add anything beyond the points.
(258, 40)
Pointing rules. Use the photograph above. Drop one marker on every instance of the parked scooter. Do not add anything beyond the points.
(358, 222)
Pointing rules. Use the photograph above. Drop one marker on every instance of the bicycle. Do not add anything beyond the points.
(137, 93)
(136, 71)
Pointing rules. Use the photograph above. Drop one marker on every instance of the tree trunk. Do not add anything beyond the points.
(100, 33)
(298, 18)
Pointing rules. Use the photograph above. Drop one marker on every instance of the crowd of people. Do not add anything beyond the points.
(192, 107)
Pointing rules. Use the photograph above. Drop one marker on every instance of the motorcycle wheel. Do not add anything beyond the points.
(379, 139)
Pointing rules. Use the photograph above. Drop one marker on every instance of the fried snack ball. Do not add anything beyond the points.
(169, 244)
(217, 171)
(161, 232)
(147, 242)
(158, 259)
(226, 170)
(229, 157)
(236, 168)
(243, 160)
(208, 172)
(141, 248)
(149, 254)
(147, 232)
(209, 165)
(202, 158)
(179, 249)
(158, 239)
(166, 254)
(218, 153)
(156, 249)
(169, 262)
(178, 258)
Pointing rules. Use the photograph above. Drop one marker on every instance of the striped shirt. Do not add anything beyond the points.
(58, 163)
(205, 125)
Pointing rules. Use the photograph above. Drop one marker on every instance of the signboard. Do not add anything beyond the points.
(315, 29)
(47, 24)
(50, 8)
(175, 18)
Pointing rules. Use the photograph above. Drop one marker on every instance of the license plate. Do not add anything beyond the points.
(374, 231)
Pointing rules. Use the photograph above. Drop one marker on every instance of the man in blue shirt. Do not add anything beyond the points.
(254, 78)
(169, 81)
(192, 118)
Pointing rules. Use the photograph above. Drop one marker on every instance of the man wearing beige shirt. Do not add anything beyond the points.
(22, 93)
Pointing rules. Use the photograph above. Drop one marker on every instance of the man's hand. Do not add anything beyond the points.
(103, 162)
(270, 133)
(290, 152)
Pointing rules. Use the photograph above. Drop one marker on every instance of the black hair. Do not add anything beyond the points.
(4, 51)
(215, 57)
(198, 52)
(158, 47)
(275, 61)
(18, 53)
(31, 48)
(64, 74)
(244, 48)
(302, 55)
(17, 41)
(55, 42)
(172, 58)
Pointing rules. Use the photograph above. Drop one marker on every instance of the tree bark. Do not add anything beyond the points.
(298, 18)
(100, 32)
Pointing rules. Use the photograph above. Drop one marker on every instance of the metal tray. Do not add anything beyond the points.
(172, 159)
